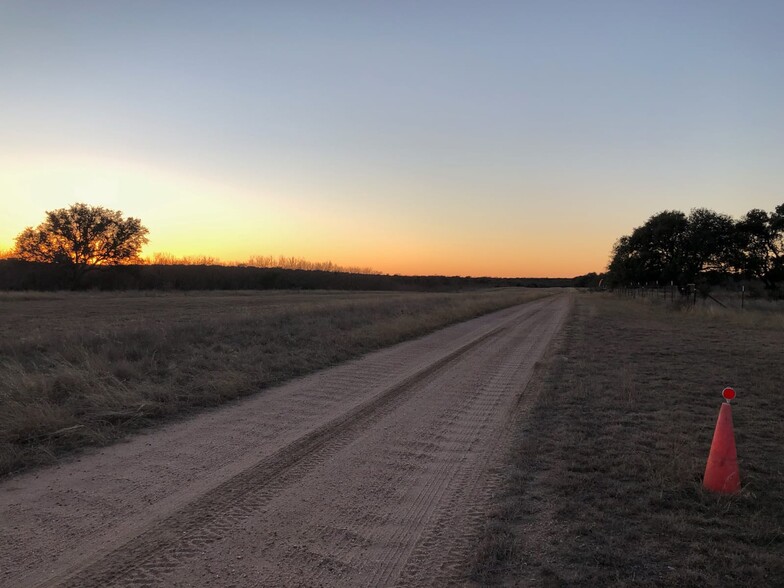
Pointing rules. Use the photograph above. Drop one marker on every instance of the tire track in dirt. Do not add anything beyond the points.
(56, 518)
(182, 534)
(443, 548)
(455, 478)
(354, 521)
(430, 438)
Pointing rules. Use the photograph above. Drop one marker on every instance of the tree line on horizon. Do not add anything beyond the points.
(85, 246)
(260, 261)
(702, 248)
(83, 237)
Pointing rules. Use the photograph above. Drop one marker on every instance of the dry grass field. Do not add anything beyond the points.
(604, 484)
(80, 369)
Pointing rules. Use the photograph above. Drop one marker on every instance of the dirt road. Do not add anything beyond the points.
(376, 472)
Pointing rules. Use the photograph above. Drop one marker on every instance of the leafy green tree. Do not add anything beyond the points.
(624, 267)
(709, 245)
(653, 252)
(83, 237)
(671, 246)
(660, 245)
(761, 246)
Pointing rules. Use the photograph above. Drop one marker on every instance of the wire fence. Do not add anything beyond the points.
(690, 294)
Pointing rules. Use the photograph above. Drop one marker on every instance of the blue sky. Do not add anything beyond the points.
(416, 137)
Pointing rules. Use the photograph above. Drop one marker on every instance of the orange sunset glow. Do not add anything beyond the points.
(418, 144)
(194, 216)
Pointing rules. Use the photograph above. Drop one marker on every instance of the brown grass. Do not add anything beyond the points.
(81, 369)
(604, 484)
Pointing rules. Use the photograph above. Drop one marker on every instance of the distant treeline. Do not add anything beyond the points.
(24, 275)
(265, 261)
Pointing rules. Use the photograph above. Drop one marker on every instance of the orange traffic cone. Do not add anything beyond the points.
(721, 472)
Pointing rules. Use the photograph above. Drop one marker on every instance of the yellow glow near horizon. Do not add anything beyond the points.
(191, 216)
(445, 145)
(184, 215)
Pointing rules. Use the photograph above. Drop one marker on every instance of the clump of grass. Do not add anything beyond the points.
(604, 483)
(82, 369)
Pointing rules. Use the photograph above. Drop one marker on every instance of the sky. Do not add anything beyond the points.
(462, 138)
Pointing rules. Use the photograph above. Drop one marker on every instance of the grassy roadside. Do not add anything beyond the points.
(79, 369)
(604, 482)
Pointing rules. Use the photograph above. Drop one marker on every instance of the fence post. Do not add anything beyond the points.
(692, 291)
